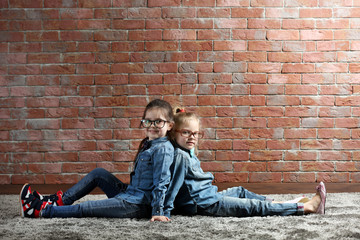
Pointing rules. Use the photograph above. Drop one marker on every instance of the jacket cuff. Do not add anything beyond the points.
(167, 214)
(157, 212)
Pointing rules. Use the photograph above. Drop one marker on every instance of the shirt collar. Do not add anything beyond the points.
(190, 152)
(148, 143)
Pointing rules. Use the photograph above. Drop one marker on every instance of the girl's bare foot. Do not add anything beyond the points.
(317, 203)
(313, 205)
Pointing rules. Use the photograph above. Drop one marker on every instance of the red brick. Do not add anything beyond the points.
(213, 12)
(5, 179)
(250, 167)
(61, 157)
(333, 177)
(248, 100)
(298, 68)
(318, 101)
(317, 122)
(128, 134)
(316, 13)
(216, 122)
(283, 166)
(29, 178)
(250, 56)
(229, 46)
(249, 144)
(347, 101)
(78, 167)
(264, 23)
(13, 168)
(164, 3)
(156, 24)
(287, 35)
(79, 146)
(115, 167)
(232, 133)
(77, 123)
(299, 177)
(266, 133)
(95, 156)
(298, 24)
(299, 133)
(215, 78)
(25, 4)
(301, 111)
(250, 122)
(281, 78)
(246, 12)
(127, 68)
(316, 144)
(42, 146)
(197, 45)
(214, 100)
(264, 67)
(233, 111)
(347, 166)
(283, 144)
(231, 177)
(266, 155)
(216, 166)
(61, 179)
(41, 168)
(94, 3)
(232, 155)
(265, 177)
(216, 145)
(129, 3)
(295, 155)
(267, 112)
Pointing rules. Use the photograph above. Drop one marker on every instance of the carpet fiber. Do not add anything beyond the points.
(342, 221)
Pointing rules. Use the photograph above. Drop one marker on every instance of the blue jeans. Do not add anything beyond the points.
(240, 192)
(239, 202)
(111, 207)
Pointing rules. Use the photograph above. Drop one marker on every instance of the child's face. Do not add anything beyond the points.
(187, 128)
(153, 132)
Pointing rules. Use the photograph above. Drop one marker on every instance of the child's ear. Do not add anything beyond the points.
(171, 125)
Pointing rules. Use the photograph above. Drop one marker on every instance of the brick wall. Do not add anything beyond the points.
(276, 82)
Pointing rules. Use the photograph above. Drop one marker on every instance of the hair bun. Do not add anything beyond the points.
(181, 110)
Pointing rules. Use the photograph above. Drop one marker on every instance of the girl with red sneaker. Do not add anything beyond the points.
(142, 198)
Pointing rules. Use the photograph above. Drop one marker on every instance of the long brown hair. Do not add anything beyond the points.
(166, 109)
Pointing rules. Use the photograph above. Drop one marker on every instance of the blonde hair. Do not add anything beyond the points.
(180, 118)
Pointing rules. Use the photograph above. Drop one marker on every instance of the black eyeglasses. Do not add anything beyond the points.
(188, 133)
(158, 123)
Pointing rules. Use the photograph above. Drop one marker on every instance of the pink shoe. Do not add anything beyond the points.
(322, 190)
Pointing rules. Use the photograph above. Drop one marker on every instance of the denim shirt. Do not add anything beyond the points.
(194, 184)
(151, 175)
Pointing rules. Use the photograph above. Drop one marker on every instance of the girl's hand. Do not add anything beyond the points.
(160, 219)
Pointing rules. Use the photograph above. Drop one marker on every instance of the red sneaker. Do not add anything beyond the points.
(30, 205)
(54, 199)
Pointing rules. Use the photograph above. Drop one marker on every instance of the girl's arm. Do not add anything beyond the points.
(162, 160)
(178, 170)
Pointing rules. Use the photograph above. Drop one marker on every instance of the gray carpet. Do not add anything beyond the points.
(342, 221)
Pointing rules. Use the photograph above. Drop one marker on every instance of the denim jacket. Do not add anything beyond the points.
(151, 175)
(189, 183)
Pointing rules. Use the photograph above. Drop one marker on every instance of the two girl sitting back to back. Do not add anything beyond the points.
(162, 178)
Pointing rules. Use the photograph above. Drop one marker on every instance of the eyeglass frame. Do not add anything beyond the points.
(199, 133)
(152, 122)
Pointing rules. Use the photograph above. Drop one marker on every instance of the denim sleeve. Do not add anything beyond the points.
(162, 160)
(178, 170)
